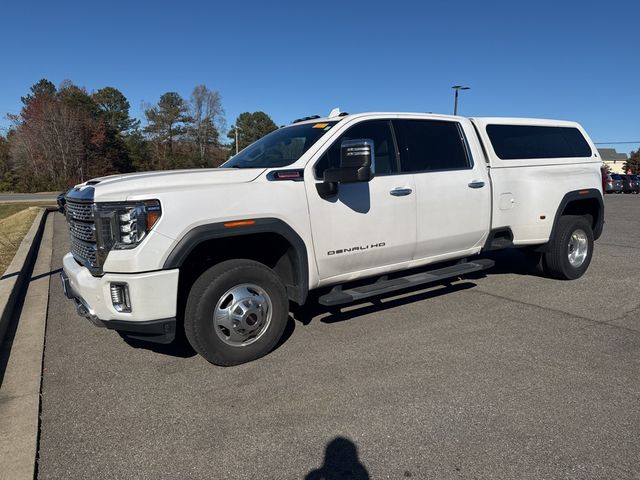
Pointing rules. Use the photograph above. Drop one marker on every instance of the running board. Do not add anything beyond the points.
(337, 296)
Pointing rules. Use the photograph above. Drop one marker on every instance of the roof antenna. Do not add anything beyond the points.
(334, 113)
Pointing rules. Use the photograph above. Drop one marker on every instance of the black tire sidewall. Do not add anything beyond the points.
(204, 296)
(557, 259)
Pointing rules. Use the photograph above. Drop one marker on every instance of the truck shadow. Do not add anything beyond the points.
(509, 261)
(312, 309)
(513, 261)
(180, 347)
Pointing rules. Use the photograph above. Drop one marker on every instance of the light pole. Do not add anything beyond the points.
(457, 88)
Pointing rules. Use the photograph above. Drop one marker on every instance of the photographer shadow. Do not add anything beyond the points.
(341, 462)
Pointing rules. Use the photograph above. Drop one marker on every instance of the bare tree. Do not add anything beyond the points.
(208, 120)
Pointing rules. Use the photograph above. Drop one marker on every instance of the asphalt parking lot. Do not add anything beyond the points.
(508, 376)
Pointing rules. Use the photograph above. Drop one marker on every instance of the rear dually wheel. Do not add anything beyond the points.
(570, 249)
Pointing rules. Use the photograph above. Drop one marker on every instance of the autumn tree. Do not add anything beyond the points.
(58, 138)
(633, 163)
(251, 127)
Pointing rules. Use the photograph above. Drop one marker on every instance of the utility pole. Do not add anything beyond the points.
(236, 130)
(457, 88)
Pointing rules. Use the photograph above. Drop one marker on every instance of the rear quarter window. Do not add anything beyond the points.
(523, 142)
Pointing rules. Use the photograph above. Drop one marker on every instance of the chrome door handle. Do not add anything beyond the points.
(400, 191)
(476, 184)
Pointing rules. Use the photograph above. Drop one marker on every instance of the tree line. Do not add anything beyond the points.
(65, 135)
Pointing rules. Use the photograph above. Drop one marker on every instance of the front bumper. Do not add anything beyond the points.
(153, 297)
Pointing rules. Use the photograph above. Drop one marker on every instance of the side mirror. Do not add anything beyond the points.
(356, 160)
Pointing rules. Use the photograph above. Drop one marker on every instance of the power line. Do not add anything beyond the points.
(616, 143)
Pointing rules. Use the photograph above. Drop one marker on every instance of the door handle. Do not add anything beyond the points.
(476, 184)
(400, 191)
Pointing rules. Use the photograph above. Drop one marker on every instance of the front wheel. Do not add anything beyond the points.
(570, 249)
(236, 312)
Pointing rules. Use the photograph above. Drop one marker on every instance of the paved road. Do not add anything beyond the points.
(509, 376)
(27, 197)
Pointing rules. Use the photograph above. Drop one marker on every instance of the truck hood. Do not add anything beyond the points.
(123, 187)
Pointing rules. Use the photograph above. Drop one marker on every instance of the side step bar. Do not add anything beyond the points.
(337, 296)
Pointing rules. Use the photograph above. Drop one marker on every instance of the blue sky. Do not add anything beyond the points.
(577, 60)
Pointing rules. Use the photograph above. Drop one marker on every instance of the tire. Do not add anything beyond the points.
(572, 235)
(243, 293)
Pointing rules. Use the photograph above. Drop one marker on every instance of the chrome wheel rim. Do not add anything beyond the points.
(578, 248)
(242, 315)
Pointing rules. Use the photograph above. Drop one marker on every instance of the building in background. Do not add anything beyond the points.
(613, 159)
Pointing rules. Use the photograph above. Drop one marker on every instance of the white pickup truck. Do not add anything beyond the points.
(367, 204)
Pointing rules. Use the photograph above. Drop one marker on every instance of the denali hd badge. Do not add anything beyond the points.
(355, 249)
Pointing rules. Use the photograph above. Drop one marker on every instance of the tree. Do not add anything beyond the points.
(167, 121)
(633, 163)
(57, 139)
(138, 151)
(251, 127)
(7, 174)
(115, 110)
(207, 117)
(43, 87)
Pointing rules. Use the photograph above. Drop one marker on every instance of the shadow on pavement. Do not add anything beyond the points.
(48, 274)
(341, 462)
(517, 261)
(178, 348)
(181, 348)
(313, 309)
(510, 261)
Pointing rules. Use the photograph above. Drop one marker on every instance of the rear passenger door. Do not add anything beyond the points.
(453, 194)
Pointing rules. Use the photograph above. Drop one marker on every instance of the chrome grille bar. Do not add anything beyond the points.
(82, 229)
(79, 211)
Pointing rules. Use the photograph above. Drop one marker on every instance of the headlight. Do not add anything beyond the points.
(124, 225)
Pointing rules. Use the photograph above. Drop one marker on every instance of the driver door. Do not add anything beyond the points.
(366, 224)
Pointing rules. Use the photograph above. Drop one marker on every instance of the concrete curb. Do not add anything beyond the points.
(12, 283)
(21, 382)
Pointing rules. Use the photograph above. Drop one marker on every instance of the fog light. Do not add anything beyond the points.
(120, 297)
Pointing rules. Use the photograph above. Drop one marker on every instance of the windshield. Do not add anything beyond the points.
(280, 148)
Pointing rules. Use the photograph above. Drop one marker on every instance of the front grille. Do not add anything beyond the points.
(84, 251)
(79, 211)
(83, 233)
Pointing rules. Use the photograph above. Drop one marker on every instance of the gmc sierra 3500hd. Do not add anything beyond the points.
(348, 201)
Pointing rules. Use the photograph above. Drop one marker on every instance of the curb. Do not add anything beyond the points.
(22, 357)
(14, 281)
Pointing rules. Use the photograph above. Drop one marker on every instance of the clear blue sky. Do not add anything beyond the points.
(577, 60)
